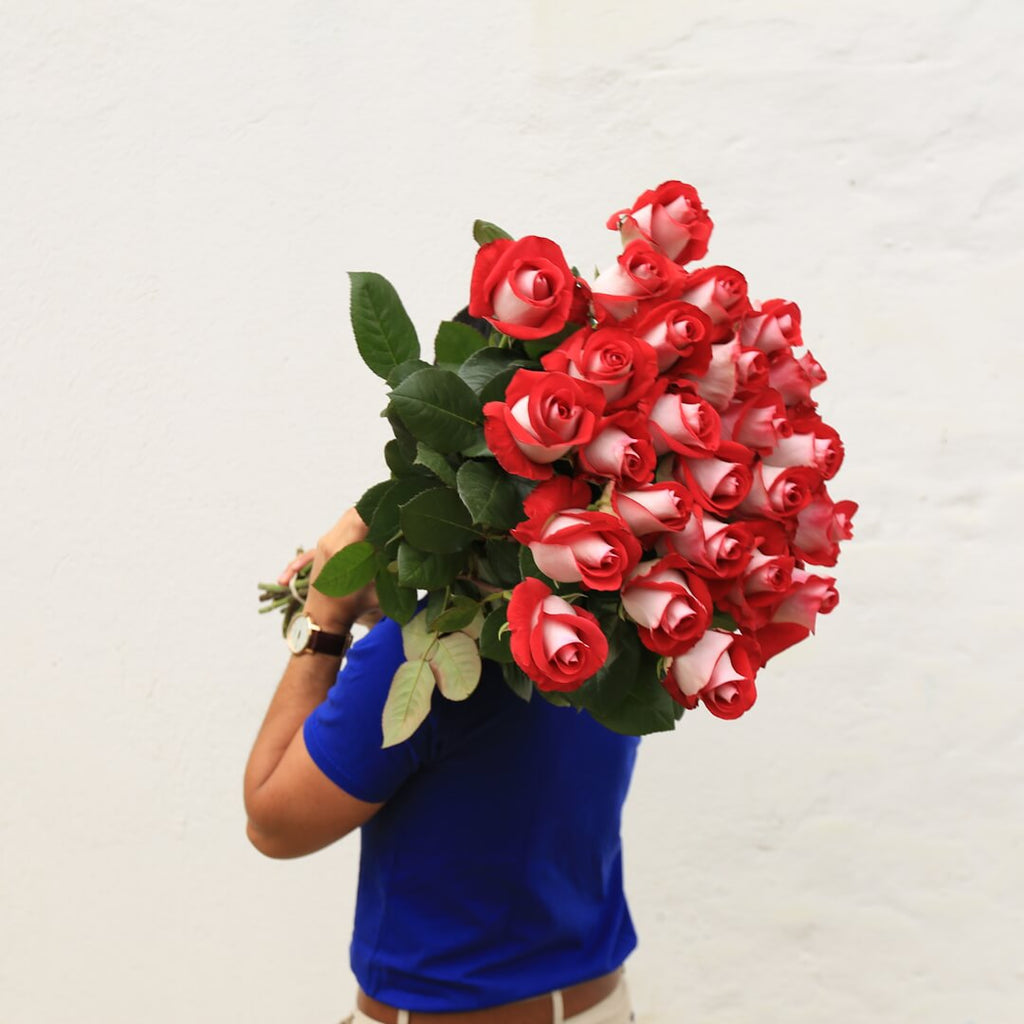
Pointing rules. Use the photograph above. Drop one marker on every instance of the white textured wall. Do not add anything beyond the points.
(182, 188)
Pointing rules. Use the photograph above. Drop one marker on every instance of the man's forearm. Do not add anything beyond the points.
(304, 685)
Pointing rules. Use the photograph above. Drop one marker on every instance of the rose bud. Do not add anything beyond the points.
(622, 365)
(671, 607)
(621, 450)
(683, 422)
(558, 645)
(820, 526)
(796, 615)
(758, 423)
(752, 597)
(718, 384)
(780, 492)
(680, 335)
(773, 327)
(719, 671)
(524, 287)
(655, 508)
(574, 545)
(794, 378)
(718, 482)
(670, 218)
(722, 293)
(752, 372)
(544, 416)
(639, 273)
(714, 549)
(820, 447)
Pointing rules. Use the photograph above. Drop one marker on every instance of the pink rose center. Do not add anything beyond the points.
(727, 291)
(532, 284)
(560, 416)
(680, 210)
(729, 486)
(683, 332)
(613, 359)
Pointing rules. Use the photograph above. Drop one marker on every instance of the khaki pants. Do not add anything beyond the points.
(613, 1009)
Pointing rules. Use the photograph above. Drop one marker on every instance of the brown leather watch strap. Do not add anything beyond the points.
(336, 644)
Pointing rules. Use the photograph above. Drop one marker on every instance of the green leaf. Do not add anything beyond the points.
(426, 570)
(461, 611)
(500, 564)
(395, 459)
(406, 369)
(644, 707)
(456, 665)
(535, 349)
(723, 620)
(456, 342)
(518, 681)
(367, 504)
(490, 495)
(475, 625)
(437, 521)
(482, 366)
(384, 333)
(385, 522)
(494, 390)
(408, 702)
(438, 408)
(493, 643)
(484, 231)
(405, 440)
(417, 639)
(348, 570)
(477, 449)
(396, 602)
(436, 463)
(626, 695)
(436, 600)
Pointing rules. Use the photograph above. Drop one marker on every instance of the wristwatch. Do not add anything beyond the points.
(306, 637)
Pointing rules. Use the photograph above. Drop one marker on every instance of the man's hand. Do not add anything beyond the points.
(335, 614)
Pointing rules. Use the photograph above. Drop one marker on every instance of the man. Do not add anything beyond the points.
(490, 880)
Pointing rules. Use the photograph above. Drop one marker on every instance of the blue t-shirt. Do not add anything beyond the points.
(494, 870)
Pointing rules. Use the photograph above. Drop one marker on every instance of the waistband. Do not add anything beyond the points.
(544, 1009)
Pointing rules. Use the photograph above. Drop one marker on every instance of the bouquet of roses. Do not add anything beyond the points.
(616, 490)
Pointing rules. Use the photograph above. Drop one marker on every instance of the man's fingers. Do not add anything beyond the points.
(293, 568)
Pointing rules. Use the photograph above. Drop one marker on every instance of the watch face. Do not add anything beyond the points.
(298, 633)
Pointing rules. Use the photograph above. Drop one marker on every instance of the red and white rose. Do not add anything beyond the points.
(524, 287)
(670, 218)
(557, 644)
(544, 416)
(572, 544)
(671, 607)
(717, 671)
(771, 327)
(639, 274)
(718, 482)
(680, 334)
(722, 293)
(653, 508)
(620, 450)
(820, 526)
(615, 360)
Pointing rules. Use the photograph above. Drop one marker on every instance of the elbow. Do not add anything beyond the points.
(262, 842)
(262, 830)
(270, 844)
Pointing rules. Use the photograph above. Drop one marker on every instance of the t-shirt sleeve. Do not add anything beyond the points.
(343, 735)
